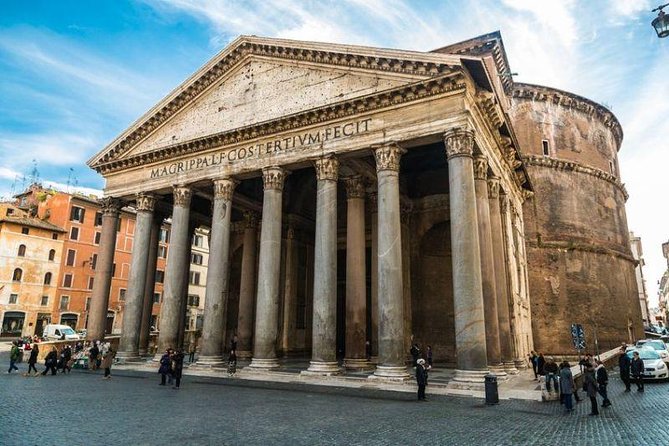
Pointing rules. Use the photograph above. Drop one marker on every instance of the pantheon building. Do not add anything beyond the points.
(360, 199)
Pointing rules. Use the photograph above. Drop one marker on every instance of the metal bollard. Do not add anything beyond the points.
(491, 393)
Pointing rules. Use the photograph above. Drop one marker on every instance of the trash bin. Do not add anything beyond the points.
(491, 394)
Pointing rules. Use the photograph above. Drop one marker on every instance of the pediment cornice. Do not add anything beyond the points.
(424, 65)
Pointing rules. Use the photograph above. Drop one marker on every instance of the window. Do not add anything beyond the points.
(197, 240)
(52, 254)
(121, 294)
(164, 235)
(162, 252)
(194, 278)
(98, 219)
(13, 299)
(45, 301)
(96, 239)
(156, 298)
(67, 281)
(71, 256)
(113, 269)
(545, 147)
(9, 212)
(64, 302)
(196, 259)
(47, 279)
(88, 303)
(18, 275)
(612, 168)
(160, 276)
(77, 214)
(25, 231)
(94, 261)
(22, 250)
(90, 282)
(54, 236)
(193, 300)
(74, 233)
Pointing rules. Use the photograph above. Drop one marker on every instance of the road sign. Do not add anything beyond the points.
(578, 336)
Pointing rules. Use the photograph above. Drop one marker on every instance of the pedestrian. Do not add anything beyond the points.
(51, 361)
(107, 361)
(567, 386)
(415, 353)
(233, 343)
(590, 387)
(603, 381)
(232, 363)
(32, 360)
(551, 370)
(165, 366)
(428, 354)
(177, 367)
(93, 354)
(532, 359)
(421, 378)
(541, 362)
(624, 362)
(14, 357)
(65, 357)
(636, 370)
(586, 360)
(191, 349)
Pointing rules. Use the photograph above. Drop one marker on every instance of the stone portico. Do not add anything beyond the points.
(355, 195)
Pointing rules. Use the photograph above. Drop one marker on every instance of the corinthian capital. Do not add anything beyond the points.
(273, 178)
(493, 187)
(110, 206)
(388, 157)
(327, 168)
(224, 188)
(146, 202)
(355, 187)
(480, 167)
(182, 196)
(459, 142)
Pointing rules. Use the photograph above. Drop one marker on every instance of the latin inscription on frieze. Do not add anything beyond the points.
(264, 148)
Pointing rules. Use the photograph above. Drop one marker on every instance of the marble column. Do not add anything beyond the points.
(97, 315)
(218, 272)
(470, 341)
(487, 265)
(374, 252)
(356, 286)
(503, 313)
(247, 289)
(150, 286)
(269, 268)
(185, 282)
(128, 349)
(176, 271)
(324, 328)
(391, 364)
(289, 293)
(405, 219)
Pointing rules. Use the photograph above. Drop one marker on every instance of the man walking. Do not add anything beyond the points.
(603, 381)
(624, 366)
(636, 369)
(14, 357)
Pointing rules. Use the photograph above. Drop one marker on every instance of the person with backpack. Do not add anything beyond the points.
(14, 355)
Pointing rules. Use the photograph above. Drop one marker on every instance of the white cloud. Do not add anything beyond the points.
(60, 149)
(630, 8)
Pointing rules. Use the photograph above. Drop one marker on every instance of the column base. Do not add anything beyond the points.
(390, 373)
(468, 380)
(264, 364)
(511, 367)
(244, 354)
(322, 368)
(520, 364)
(499, 371)
(209, 361)
(124, 357)
(143, 352)
(357, 364)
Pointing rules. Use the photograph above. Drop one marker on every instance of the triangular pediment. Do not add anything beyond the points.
(257, 80)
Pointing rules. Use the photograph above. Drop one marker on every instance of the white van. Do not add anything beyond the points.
(55, 332)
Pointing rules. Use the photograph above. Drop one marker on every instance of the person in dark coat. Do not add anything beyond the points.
(51, 361)
(541, 362)
(590, 387)
(177, 367)
(65, 356)
(93, 354)
(165, 366)
(603, 381)
(636, 370)
(567, 386)
(551, 370)
(33, 359)
(624, 362)
(532, 358)
(421, 379)
(428, 355)
(415, 353)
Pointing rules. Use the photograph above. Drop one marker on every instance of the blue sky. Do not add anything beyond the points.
(74, 74)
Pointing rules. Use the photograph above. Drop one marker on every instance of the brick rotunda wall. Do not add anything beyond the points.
(580, 264)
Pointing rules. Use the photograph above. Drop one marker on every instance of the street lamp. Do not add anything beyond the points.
(661, 22)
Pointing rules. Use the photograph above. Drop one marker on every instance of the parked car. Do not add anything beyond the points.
(659, 346)
(55, 332)
(654, 366)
